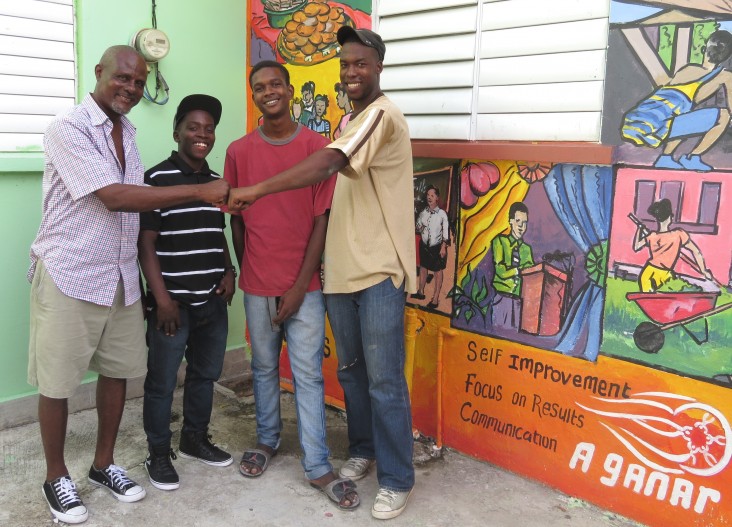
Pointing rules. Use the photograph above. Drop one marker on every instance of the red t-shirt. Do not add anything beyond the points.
(278, 226)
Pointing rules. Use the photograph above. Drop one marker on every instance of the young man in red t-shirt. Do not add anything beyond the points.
(279, 243)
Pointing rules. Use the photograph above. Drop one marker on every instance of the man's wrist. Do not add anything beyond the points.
(230, 268)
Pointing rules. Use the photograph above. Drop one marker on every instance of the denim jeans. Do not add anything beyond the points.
(368, 327)
(305, 334)
(201, 338)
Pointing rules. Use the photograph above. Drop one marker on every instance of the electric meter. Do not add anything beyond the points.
(152, 43)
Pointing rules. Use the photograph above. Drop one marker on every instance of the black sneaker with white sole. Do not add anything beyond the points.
(64, 500)
(198, 445)
(160, 469)
(115, 480)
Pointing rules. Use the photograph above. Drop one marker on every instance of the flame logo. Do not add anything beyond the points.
(670, 433)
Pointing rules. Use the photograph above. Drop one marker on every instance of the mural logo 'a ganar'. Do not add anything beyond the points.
(668, 433)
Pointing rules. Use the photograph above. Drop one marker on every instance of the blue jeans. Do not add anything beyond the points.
(368, 327)
(201, 338)
(305, 334)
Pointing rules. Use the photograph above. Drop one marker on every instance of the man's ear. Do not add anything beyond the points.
(176, 136)
(98, 71)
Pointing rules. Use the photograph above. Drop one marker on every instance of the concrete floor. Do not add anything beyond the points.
(451, 489)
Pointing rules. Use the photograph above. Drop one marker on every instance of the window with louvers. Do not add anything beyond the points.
(37, 69)
(524, 70)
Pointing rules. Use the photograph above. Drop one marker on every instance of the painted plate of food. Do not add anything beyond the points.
(310, 36)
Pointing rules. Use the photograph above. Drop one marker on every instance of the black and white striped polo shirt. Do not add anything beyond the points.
(190, 243)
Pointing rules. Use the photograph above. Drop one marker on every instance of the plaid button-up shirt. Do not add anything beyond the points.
(85, 247)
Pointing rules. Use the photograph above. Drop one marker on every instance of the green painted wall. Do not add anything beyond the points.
(195, 29)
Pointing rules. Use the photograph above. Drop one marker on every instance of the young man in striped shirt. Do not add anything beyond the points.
(185, 259)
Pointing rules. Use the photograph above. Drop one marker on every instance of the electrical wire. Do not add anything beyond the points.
(160, 83)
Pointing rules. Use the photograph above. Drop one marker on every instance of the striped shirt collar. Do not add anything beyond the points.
(185, 168)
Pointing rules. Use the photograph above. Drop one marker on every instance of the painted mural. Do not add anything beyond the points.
(630, 428)
(571, 322)
(302, 35)
(529, 244)
(645, 443)
(668, 84)
(668, 298)
(436, 199)
(667, 107)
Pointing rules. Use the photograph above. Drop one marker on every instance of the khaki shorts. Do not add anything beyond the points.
(70, 336)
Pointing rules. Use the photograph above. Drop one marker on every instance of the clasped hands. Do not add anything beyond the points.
(219, 193)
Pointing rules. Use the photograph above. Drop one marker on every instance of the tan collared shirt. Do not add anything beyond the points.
(371, 228)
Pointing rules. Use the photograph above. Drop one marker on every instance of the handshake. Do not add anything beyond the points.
(219, 193)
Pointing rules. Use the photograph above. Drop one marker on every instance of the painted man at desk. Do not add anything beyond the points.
(510, 255)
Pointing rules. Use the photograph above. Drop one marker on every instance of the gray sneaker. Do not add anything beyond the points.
(389, 503)
(356, 468)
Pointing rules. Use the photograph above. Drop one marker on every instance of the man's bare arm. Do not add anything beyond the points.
(119, 197)
(317, 167)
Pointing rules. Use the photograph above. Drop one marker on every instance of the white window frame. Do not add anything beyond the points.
(38, 76)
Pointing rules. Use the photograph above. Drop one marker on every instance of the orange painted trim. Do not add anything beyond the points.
(554, 152)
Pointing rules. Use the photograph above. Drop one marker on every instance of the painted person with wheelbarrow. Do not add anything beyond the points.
(669, 309)
(665, 246)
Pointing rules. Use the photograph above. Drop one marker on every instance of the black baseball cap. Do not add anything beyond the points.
(198, 101)
(364, 36)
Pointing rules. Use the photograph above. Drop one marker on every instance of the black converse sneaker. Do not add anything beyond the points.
(198, 445)
(160, 469)
(64, 501)
(115, 480)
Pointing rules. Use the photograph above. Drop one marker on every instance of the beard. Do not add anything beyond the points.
(122, 109)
